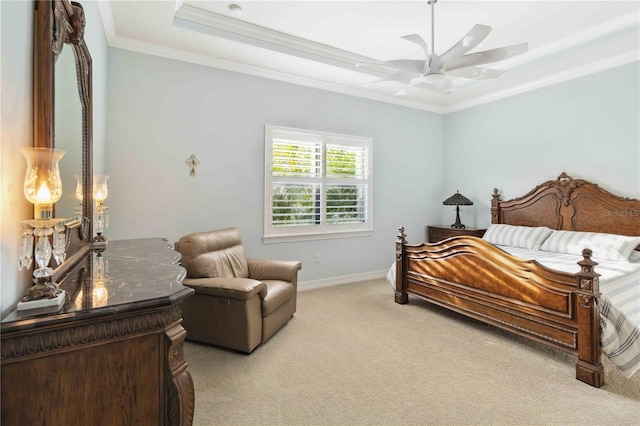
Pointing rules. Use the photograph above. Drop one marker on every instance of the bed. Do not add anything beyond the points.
(506, 287)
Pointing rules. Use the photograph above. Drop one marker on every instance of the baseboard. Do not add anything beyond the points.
(345, 279)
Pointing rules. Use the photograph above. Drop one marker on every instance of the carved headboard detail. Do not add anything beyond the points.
(572, 205)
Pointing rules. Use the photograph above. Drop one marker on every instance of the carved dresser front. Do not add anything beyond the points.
(113, 355)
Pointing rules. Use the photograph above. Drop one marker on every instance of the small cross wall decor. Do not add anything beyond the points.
(192, 162)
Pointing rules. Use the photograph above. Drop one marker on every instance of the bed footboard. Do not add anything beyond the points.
(472, 277)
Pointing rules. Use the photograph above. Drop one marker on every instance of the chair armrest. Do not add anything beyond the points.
(232, 288)
(285, 270)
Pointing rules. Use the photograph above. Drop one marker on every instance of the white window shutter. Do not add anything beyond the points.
(316, 183)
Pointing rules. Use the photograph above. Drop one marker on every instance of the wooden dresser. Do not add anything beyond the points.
(113, 355)
(439, 233)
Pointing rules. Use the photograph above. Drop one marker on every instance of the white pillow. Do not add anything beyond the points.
(604, 246)
(529, 237)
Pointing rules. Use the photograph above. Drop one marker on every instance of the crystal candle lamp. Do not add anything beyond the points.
(42, 188)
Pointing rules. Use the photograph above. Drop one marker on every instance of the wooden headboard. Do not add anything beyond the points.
(572, 205)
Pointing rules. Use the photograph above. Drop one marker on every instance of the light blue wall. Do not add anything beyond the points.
(588, 127)
(97, 43)
(161, 111)
(16, 36)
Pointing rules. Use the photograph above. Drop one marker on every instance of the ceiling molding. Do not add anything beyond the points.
(107, 21)
(602, 65)
(196, 19)
(600, 31)
(205, 21)
(205, 60)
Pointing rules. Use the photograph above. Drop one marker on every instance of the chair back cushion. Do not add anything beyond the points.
(213, 254)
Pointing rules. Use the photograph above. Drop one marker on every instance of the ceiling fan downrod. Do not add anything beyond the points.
(433, 25)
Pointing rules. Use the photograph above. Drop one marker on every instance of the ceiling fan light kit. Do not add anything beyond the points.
(439, 70)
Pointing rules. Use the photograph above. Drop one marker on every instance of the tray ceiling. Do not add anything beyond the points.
(318, 43)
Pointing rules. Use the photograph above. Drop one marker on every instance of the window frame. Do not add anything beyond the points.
(324, 230)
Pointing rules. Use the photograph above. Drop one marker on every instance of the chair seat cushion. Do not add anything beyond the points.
(232, 288)
(278, 293)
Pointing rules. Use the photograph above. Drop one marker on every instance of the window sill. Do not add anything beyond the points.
(289, 238)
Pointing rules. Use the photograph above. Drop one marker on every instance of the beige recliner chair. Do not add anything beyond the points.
(239, 303)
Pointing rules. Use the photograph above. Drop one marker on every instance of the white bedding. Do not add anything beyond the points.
(619, 303)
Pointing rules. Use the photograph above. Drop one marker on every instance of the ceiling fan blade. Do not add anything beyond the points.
(476, 73)
(415, 38)
(485, 57)
(398, 77)
(412, 83)
(411, 65)
(473, 38)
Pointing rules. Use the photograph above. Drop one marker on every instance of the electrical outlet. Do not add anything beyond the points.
(317, 258)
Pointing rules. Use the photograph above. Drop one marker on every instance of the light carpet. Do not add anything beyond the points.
(352, 356)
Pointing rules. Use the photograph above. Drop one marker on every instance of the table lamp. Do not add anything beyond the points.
(457, 200)
(100, 212)
(42, 188)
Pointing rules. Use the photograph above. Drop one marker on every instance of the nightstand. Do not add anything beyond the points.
(439, 233)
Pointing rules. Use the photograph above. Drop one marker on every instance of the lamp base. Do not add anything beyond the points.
(42, 288)
(458, 224)
(55, 303)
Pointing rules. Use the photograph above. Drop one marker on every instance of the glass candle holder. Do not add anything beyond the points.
(42, 182)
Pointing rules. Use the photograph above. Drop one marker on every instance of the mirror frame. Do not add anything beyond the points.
(58, 23)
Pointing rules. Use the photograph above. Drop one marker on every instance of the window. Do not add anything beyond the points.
(317, 185)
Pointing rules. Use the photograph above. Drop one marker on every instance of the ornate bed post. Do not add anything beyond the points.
(588, 368)
(401, 295)
(495, 209)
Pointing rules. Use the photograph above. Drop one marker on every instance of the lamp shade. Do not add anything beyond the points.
(457, 199)
(42, 182)
(79, 194)
(100, 190)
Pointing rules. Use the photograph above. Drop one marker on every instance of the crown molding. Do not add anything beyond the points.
(196, 19)
(206, 21)
(208, 61)
(600, 31)
(107, 21)
(570, 74)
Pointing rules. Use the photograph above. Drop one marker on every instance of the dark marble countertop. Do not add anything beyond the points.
(128, 275)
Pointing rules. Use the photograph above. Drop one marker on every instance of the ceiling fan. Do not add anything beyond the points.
(437, 70)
